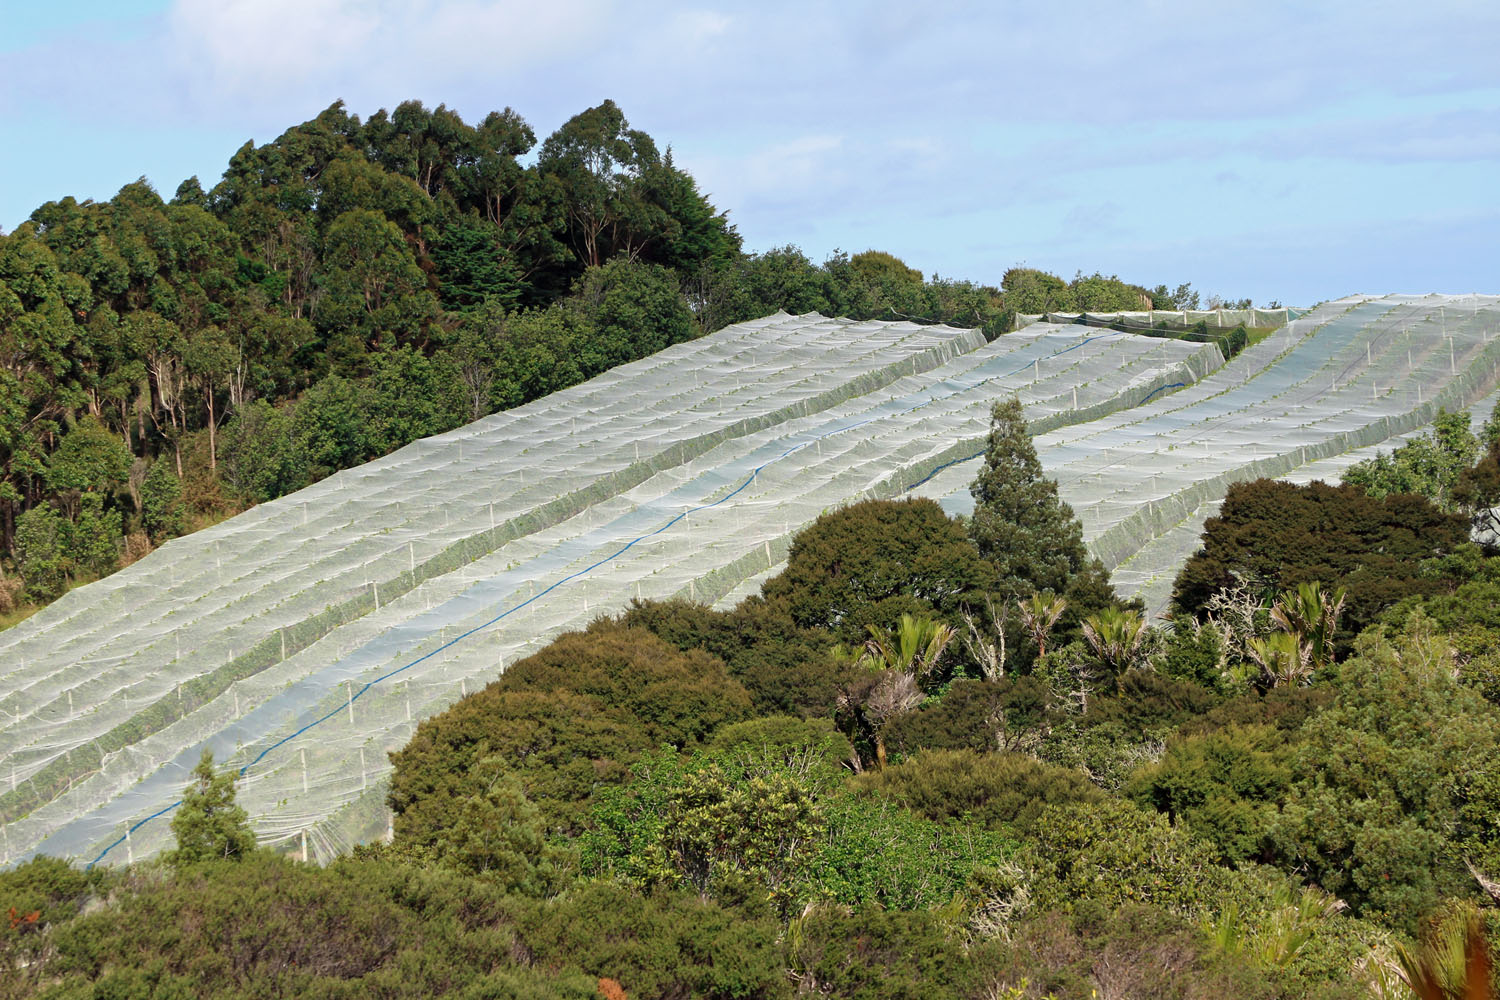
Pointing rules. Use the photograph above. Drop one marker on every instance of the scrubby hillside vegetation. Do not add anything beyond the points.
(934, 758)
(352, 286)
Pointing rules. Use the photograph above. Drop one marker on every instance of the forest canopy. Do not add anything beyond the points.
(354, 285)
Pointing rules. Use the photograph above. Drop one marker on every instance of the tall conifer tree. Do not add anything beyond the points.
(1022, 526)
(208, 825)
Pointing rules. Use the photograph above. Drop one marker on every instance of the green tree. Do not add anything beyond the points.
(916, 647)
(1394, 784)
(1428, 465)
(1116, 637)
(1028, 290)
(374, 294)
(89, 459)
(263, 456)
(1023, 527)
(1000, 791)
(161, 502)
(900, 662)
(716, 824)
(1225, 785)
(208, 825)
(600, 162)
(635, 309)
(499, 833)
(39, 552)
(1039, 614)
(1476, 491)
(1270, 536)
(91, 542)
(870, 562)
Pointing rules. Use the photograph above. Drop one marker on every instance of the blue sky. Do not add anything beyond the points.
(1282, 151)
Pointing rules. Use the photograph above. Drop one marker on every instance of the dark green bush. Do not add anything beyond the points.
(995, 790)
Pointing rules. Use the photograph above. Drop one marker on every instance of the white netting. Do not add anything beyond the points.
(306, 638)
(1175, 319)
(351, 610)
(1351, 374)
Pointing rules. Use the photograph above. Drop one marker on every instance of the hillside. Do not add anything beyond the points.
(304, 639)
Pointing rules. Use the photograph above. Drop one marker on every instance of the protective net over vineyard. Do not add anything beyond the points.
(305, 639)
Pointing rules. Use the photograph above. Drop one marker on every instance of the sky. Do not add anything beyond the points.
(1281, 151)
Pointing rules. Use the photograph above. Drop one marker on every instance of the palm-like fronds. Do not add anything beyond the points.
(1452, 963)
(1313, 617)
(1039, 615)
(1115, 636)
(914, 649)
(1281, 657)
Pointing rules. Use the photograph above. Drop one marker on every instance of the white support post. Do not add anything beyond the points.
(408, 701)
(303, 752)
(129, 849)
(304, 847)
(411, 557)
(283, 644)
(349, 693)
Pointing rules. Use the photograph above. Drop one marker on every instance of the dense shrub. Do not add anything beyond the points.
(995, 790)
(678, 697)
(1275, 535)
(565, 721)
(785, 667)
(660, 944)
(1224, 785)
(871, 562)
(882, 956)
(1111, 853)
(1007, 714)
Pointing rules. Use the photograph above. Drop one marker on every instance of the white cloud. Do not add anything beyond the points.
(274, 51)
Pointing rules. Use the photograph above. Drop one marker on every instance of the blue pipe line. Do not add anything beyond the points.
(1161, 388)
(590, 568)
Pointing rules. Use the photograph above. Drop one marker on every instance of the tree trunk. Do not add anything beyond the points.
(213, 447)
